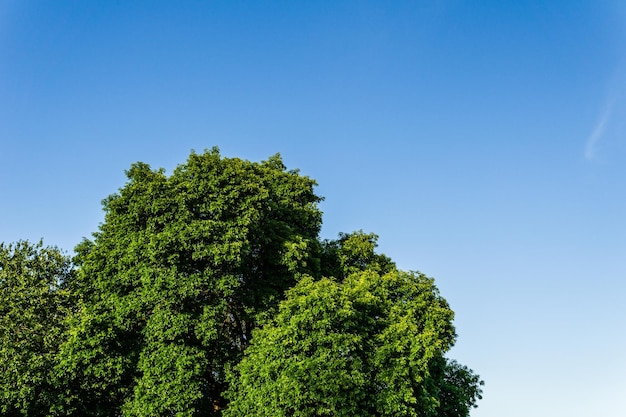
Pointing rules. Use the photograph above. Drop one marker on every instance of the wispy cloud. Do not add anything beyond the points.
(613, 111)
(598, 131)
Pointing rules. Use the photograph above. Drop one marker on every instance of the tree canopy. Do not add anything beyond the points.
(371, 344)
(33, 304)
(177, 277)
(210, 292)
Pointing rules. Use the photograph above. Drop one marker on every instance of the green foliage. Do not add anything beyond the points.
(360, 347)
(353, 252)
(368, 344)
(458, 387)
(179, 274)
(33, 303)
(211, 285)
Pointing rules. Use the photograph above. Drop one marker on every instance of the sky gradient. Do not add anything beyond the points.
(484, 142)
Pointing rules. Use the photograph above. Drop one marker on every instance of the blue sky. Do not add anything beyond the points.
(484, 142)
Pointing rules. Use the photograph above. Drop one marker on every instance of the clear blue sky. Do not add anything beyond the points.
(485, 142)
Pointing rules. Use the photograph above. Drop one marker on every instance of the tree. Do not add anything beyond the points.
(369, 344)
(33, 304)
(353, 252)
(211, 285)
(458, 387)
(179, 274)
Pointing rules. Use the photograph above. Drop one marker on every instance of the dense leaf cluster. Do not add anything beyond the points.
(209, 292)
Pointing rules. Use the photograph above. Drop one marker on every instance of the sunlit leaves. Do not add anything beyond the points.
(178, 275)
(358, 347)
(33, 304)
(191, 270)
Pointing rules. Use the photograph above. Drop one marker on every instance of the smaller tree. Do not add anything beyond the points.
(458, 387)
(365, 346)
(33, 303)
